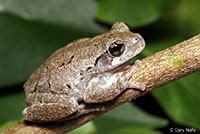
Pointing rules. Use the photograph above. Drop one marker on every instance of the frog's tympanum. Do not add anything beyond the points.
(83, 74)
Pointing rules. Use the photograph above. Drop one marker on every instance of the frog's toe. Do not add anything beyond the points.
(138, 63)
(139, 86)
(133, 69)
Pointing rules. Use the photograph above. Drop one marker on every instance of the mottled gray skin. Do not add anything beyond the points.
(80, 74)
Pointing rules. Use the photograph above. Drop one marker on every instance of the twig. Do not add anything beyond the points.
(157, 70)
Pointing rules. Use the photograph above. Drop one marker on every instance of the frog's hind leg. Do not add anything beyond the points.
(47, 107)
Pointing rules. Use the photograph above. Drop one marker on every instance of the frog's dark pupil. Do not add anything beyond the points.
(116, 48)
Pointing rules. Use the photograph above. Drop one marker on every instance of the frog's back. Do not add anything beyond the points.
(63, 69)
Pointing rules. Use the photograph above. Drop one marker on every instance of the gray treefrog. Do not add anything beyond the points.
(82, 74)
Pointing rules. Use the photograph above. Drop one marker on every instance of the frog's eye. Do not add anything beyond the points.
(116, 48)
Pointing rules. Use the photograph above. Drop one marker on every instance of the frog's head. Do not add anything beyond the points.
(121, 46)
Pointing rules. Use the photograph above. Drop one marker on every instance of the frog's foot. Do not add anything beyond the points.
(131, 72)
(47, 107)
(128, 75)
(139, 86)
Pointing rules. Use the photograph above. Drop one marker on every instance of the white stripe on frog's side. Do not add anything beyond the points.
(115, 61)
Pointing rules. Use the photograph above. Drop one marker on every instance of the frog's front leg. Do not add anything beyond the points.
(104, 89)
(46, 107)
(127, 76)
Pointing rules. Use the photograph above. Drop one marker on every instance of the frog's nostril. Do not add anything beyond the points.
(142, 41)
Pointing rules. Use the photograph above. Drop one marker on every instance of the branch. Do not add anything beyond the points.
(157, 70)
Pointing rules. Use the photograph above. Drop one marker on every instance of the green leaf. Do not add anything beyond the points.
(7, 125)
(88, 128)
(32, 30)
(11, 107)
(185, 18)
(136, 13)
(127, 115)
(134, 130)
(73, 13)
(181, 100)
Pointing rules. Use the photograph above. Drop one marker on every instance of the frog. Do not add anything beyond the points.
(80, 77)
